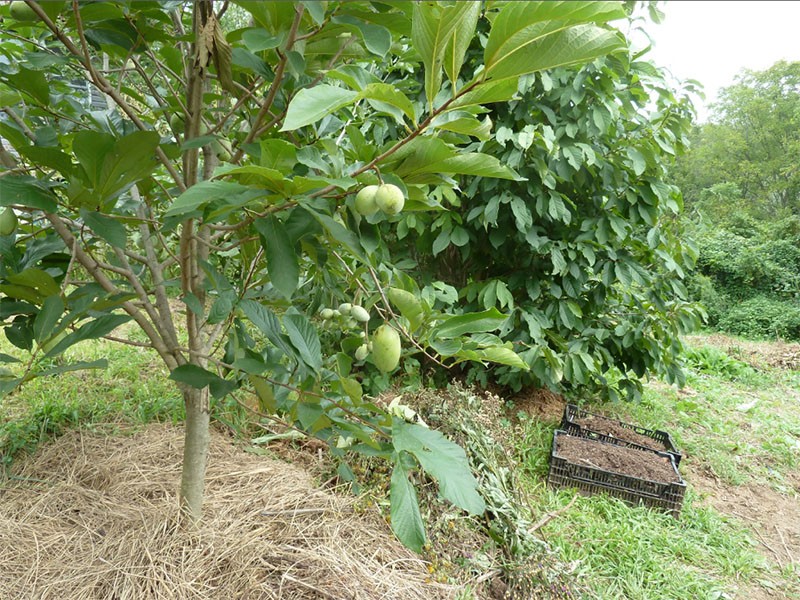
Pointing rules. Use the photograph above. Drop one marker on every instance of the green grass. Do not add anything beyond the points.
(744, 428)
(133, 390)
(637, 553)
(741, 424)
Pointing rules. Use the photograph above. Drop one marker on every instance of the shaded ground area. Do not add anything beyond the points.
(543, 404)
(95, 517)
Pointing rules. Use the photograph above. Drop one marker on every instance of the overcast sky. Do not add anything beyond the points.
(712, 41)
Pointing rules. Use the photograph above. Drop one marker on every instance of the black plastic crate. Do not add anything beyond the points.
(667, 496)
(572, 413)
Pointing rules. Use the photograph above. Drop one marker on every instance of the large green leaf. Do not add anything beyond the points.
(94, 329)
(257, 40)
(443, 460)
(480, 322)
(45, 156)
(49, 314)
(311, 104)
(106, 228)
(114, 35)
(32, 83)
(460, 121)
(282, 264)
(533, 36)
(377, 39)
(197, 377)
(78, 366)
(385, 93)
(110, 164)
(503, 356)
(223, 306)
(432, 28)
(305, 339)
(470, 163)
(407, 521)
(408, 305)
(419, 153)
(263, 318)
(25, 191)
(39, 280)
(488, 92)
(432, 155)
(339, 233)
(459, 41)
(204, 192)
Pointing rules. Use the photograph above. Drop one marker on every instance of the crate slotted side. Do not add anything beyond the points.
(667, 496)
(572, 413)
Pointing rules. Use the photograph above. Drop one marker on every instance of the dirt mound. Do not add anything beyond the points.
(540, 403)
(91, 517)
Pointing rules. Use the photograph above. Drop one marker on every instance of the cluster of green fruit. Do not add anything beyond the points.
(386, 197)
(384, 348)
(351, 314)
(8, 221)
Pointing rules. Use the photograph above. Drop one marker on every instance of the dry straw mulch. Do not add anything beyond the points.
(94, 517)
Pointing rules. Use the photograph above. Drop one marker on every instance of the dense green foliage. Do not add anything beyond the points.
(741, 183)
(583, 252)
(192, 167)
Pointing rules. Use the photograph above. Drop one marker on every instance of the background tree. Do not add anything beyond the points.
(751, 141)
(742, 188)
(197, 162)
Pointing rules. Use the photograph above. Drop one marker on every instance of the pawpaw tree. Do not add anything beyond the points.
(192, 167)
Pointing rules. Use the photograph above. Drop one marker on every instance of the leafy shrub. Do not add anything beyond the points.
(583, 252)
(749, 286)
(716, 302)
(763, 317)
(714, 361)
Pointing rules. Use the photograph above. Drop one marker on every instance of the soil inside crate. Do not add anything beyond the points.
(618, 459)
(615, 429)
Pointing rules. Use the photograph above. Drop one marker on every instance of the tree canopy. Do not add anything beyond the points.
(192, 168)
(742, 188)
(751, 143)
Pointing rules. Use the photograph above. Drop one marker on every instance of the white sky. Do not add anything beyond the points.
(713, 41)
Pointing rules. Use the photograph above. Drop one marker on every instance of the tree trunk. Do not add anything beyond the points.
(195, 454)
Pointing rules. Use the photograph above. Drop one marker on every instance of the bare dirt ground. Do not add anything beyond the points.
(773, 518)
(94, 517)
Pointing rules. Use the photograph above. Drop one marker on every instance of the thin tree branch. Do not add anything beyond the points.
(20, 123)
(102, 83)
(552, 515)
(172, 360)
(274, 87)
(144, 297)
(166, 321)
(119, 340)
